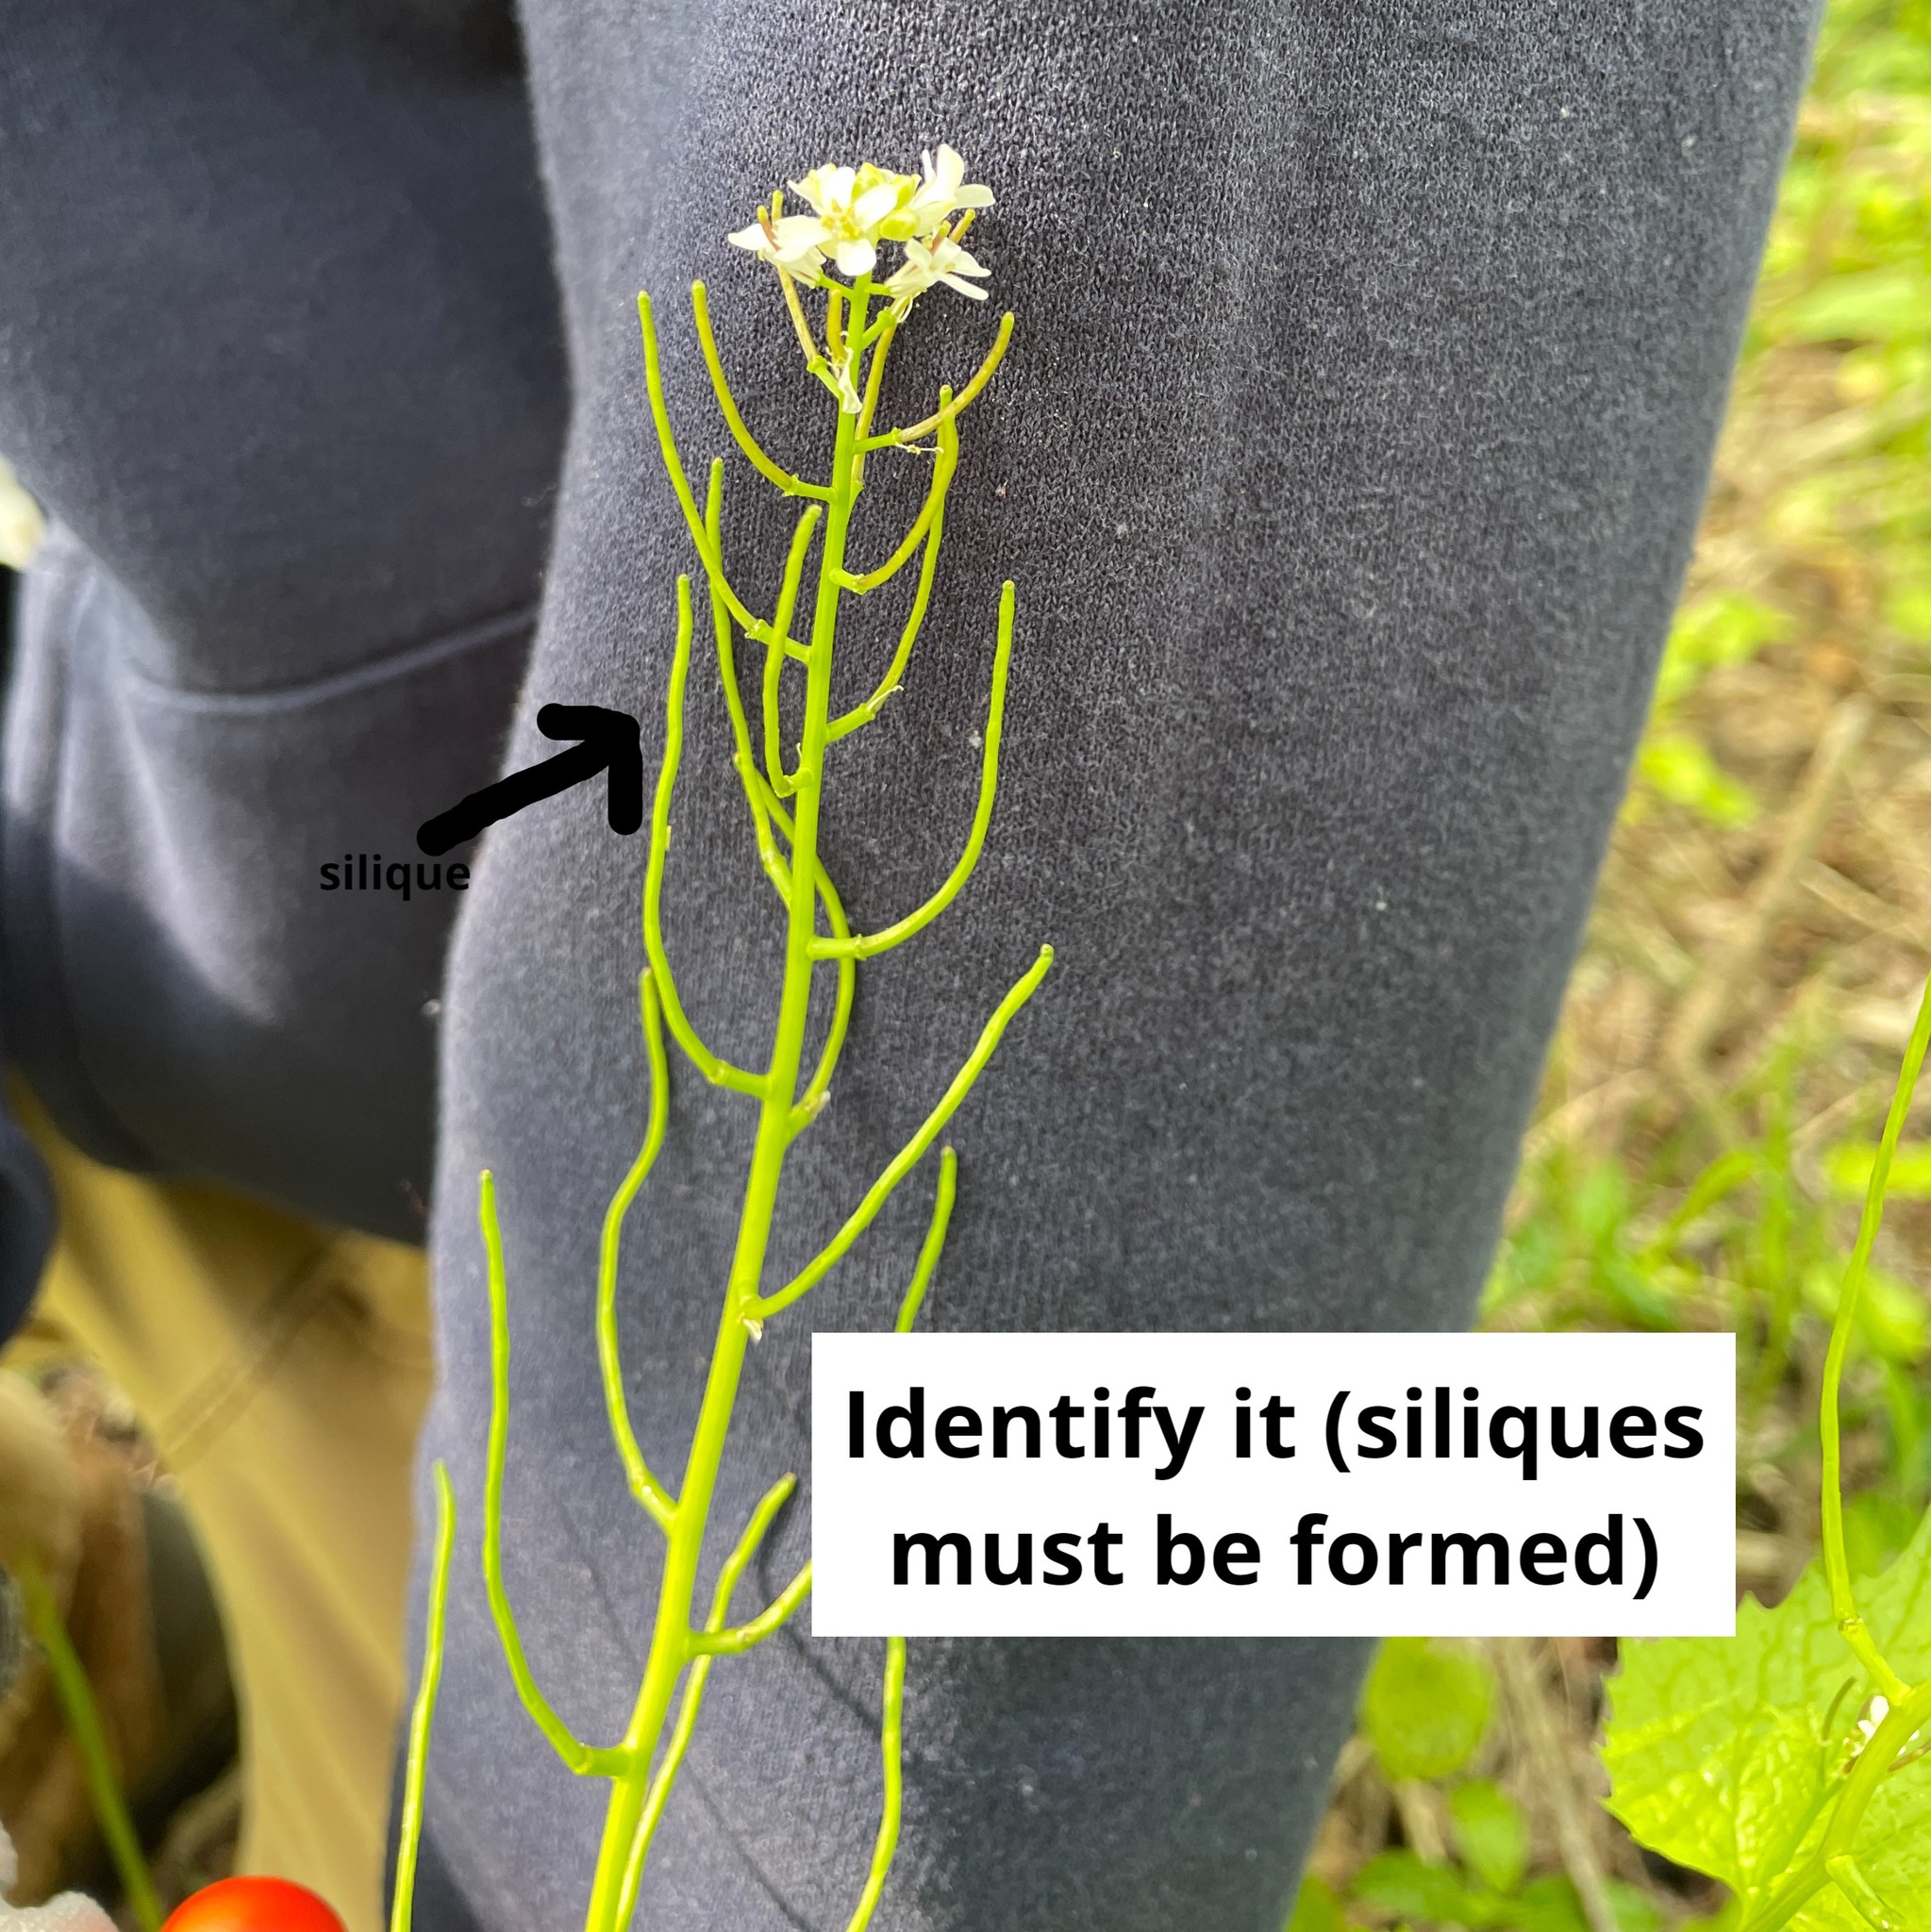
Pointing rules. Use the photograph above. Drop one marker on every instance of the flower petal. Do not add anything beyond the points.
(875, 202)
(855, 257)
(801, 231)
(828, 188)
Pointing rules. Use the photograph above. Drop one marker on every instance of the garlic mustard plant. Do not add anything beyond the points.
(830, 255)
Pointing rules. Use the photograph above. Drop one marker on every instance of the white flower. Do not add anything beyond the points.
(944, 190)
(795, 243)
(941, 261)
(856, 207)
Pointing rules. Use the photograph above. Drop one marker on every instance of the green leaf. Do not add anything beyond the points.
(1551, 1904)
(1726, 1919)
(1491, 1832)
(1426, 1706)
(1719, 1759)
(1600, 1205)
(1721, 627)
(1401, 1882)
(1891, 304)
(1680, 768)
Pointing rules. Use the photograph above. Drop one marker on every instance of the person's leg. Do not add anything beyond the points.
(279, 354)
(1368, 368)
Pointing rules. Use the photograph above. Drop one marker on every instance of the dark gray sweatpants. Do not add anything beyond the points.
(1369, 362)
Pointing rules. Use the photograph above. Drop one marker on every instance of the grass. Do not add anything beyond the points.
(1761, 936)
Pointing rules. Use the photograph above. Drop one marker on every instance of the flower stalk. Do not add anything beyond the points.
(854, 211)
(1906, 1708)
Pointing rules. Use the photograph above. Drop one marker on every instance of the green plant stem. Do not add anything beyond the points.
(671, 1638)
(727, 407)
(410, 1830)
(699, 1676)
(643, 1765)
(956, 406)
(1872, 1767)
(891, 1751)
(934, 1244)
(1837, 1570)
(96, 1755)
(650, 1493)
(914, 1150)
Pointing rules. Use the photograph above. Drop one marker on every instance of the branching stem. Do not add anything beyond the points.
(651, 1494)
(727, 407)
(867, 946)
(584, 1759)
(643, 1766)
(914, 1151)
(995, 356)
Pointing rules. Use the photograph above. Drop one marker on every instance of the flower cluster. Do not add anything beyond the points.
(855, 209)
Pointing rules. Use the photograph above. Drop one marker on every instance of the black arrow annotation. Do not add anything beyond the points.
(610, 740)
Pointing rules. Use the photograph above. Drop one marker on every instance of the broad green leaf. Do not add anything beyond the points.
(1426, 1706)
(1726, 1919)
(1719, 1756)
(1491, 1833)
(1316, 1909)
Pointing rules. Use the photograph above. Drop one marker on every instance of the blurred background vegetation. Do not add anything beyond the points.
(1732, 1031)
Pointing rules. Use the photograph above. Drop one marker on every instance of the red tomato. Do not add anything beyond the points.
(253, 1904)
